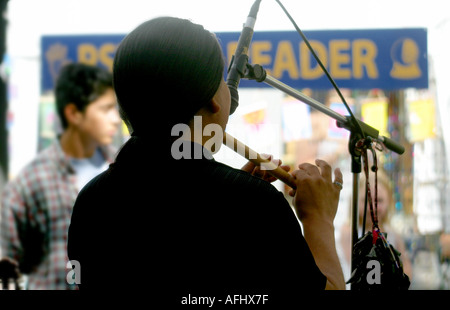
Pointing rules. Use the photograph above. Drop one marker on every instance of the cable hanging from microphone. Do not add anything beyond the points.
(319, 62)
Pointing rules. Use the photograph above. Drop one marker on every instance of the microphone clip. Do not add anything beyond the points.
(246, 70)
(240, 65)
(255, 72)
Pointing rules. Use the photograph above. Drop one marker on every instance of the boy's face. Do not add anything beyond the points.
(101, 119)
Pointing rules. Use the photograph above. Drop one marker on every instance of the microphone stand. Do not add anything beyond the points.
(258, 73)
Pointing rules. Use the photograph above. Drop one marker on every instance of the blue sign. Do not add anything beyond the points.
(356, 59)
(56, 51)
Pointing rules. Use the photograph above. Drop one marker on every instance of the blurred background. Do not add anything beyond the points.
(390, 60)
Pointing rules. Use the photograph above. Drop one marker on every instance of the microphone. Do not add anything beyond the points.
(239, 61)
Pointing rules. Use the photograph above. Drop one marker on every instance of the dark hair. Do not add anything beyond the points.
(80, 84)
(166, 69)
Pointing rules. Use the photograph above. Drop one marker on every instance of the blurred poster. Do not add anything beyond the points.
(374, 112)
(256, 128)
(296, 120)
(255, 119)
(49, 125)
(422, 119)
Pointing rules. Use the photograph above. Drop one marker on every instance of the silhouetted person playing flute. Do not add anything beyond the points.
(165, 222)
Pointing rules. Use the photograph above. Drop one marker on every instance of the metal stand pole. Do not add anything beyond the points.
(354, 218)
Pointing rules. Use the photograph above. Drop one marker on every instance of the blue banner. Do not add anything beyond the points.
(56, 51)
(356, 59)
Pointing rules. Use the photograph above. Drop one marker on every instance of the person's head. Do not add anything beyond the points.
(86, 102)
(166, 71)
(385, 197)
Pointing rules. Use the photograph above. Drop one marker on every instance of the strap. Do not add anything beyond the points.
(362, 146)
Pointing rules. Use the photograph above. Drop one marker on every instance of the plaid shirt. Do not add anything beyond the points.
(36, 209)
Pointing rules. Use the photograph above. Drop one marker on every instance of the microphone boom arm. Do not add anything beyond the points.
(258, 73)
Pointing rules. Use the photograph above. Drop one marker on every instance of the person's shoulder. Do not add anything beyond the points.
(247, 194)
(109, 152)
(42, 166)
(94, 199)
(52, 154)
(240, 178)
(99, 183)
(227, 185)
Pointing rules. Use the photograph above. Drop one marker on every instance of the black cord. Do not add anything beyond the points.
(366, 199)
(352, 116)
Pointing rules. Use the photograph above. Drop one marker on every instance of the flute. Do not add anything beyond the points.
(258, 160)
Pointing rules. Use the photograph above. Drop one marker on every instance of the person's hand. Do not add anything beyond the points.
(261, 173)
(316, 200)
(316, 196)
(9, 268)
